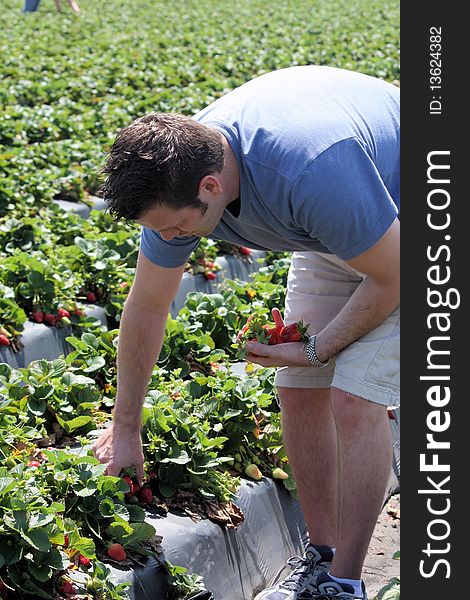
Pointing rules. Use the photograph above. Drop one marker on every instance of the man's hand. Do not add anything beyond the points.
(120, 448)
(292, 354)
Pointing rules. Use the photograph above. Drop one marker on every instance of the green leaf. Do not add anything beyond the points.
(39, 520)
(167, 489)
(6, 484)
(74, 424)
(38, 539)
(85, 546)
(391, 591)
(40, 572)
(178, 456)
(85, 489)
(94, 363)
(37, 406)
(140, 533)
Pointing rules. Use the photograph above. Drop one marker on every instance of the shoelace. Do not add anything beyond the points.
(297, 576)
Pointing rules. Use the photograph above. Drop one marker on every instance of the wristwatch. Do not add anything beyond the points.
(311, 353)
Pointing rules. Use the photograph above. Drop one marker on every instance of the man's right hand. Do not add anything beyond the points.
(120, 448)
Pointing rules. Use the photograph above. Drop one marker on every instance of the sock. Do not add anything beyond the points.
(355, 583)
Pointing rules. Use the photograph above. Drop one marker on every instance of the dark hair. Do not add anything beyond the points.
(159, 159)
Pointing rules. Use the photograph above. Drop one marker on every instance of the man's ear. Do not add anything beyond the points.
(210, 184)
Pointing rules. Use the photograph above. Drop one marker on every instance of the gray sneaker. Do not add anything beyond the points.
(316, 560)
(329, 589)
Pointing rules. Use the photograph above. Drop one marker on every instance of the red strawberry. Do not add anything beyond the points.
(63, 313)
(245, 251)
(91, 297)
(130, 483)
(145, 495)
(50, 319)
(117, 552)
(79, 312)
(4, 341)
(34, 463)
(273, 335)
(295, 332)
(83, 560)
(210, 275)
(38, 316)
(391, 414)
(123, 284)
(67, 588)
(66, 540)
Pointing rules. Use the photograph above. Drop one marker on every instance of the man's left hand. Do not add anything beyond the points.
(292, 354)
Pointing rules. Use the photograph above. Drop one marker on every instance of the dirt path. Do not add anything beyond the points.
(379, 566)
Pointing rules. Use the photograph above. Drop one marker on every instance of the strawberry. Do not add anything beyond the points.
(130, 483)
(273, 335)
(253, 471)
(4, 341)
(145, 495)
(66, 540)
(79, 312)
(210, 275)
(63, 313)
(34, 463)
(123, 284)
(245, 251)
(50, 319)
(83, 560)
(279, 473)
(117, 552)
(65, 321)
(391, 414)
(91, 297)
(67, 588)
(295, 332)
(38, 316)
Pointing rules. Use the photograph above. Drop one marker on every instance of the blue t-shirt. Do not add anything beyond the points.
(318, 154)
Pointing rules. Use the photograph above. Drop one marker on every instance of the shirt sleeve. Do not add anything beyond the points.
(341, 200)
(167, 253)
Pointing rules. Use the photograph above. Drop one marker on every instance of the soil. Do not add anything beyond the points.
(380, 566)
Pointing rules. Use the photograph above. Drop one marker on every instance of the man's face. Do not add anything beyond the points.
(182, 222)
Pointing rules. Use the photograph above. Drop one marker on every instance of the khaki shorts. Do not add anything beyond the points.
(318, 287)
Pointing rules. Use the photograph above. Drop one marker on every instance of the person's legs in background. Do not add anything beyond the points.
(31, 5)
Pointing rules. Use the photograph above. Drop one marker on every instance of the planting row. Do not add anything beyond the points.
(202, 428)
(57, 264)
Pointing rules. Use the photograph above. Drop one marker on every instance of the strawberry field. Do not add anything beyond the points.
(68, 84)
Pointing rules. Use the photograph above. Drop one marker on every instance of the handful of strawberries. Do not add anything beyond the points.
(259, 330)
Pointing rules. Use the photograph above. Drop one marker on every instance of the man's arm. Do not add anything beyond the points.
(374, 300)
(141, 336)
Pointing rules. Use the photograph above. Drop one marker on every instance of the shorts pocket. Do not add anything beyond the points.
(384, 368)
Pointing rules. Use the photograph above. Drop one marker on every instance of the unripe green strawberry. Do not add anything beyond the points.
(252, 471)
(117, 552)
(279, 473)
(238, 467)
(237, 457)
